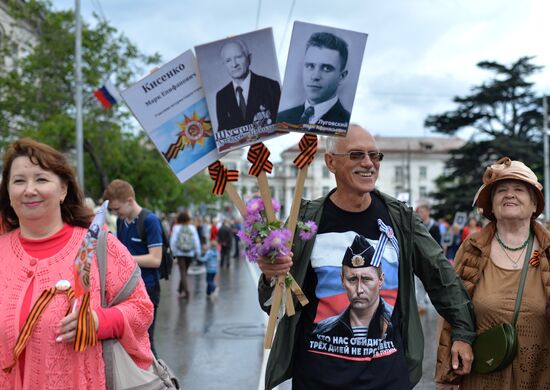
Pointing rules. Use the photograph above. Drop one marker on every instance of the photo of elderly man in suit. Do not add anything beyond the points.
(248, 97)
(317, 75)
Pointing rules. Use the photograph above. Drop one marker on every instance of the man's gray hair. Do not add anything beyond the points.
(330, 142)
(239, 42)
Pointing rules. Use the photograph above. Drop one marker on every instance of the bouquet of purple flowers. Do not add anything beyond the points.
(269, 239)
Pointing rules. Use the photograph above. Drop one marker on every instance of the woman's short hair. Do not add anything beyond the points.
(73, 209)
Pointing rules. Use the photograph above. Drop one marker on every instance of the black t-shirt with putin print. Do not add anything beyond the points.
(329, 352)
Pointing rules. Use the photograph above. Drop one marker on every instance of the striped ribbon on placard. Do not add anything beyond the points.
(174, 149)
(308, 148)
(258, 155)
(221, 176)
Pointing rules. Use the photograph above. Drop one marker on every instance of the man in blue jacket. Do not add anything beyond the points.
(148, 252)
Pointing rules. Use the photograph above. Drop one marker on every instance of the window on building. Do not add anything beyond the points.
(326, 172)
(306, 193)
(293, 171)
(422, 172)
(399, 174)
(244, 190)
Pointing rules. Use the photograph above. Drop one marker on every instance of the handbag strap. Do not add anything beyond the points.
(129, 286)
(522, 280)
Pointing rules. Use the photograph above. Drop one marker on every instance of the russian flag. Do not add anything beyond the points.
(107, 95)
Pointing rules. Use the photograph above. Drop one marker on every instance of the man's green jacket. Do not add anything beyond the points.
(419, 255)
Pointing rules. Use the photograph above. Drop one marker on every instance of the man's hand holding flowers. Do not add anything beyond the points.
(270, 269)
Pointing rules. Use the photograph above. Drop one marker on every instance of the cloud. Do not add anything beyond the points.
(418, 55)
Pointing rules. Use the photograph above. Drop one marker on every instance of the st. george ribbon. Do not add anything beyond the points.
(86, 332)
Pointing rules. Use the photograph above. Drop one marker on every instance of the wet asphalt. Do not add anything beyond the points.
(218, 344)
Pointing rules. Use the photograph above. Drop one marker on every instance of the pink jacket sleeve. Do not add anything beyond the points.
(137, 309)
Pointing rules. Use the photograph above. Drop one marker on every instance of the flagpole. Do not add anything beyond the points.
(78, 96)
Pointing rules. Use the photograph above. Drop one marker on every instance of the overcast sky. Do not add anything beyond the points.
(419, 53)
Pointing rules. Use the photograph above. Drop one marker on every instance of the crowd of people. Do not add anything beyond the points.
(202, 241)
(361, 271)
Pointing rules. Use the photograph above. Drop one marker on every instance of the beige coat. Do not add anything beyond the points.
(471, 259)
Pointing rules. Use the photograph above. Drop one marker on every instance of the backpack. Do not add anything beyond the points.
(167, 261)
(185, 241)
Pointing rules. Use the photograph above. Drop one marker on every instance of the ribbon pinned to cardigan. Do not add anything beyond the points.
(34, 315)
(86, 333)
(308, 148)
(221, 176)
(258, 155)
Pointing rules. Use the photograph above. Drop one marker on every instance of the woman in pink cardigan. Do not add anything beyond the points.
(44, 219)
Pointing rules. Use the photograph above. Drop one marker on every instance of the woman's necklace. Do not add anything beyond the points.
(502, 244)
(504, 249)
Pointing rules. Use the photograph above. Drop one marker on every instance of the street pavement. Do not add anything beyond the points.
(218, 344)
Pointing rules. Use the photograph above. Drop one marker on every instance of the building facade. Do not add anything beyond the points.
(23, 33)
(408, 172)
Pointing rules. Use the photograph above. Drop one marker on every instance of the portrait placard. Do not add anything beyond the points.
(321, 77)
(241, 82)
(447, 239)
(171, 107)
(460, 219)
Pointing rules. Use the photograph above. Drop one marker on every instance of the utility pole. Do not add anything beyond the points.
(546, 160)
(78, 97)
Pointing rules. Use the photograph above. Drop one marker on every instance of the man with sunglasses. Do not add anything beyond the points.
(403, 248)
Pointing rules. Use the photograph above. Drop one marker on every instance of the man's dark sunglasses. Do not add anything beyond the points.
(357, 155)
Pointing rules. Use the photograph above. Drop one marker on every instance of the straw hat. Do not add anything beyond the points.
(505, 169)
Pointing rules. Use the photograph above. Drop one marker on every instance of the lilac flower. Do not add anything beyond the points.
(276, 205)
(244, 237)
(307, 230)
(251, 253)
(275, 243)
(263, 239)
(254, 206)
(251, 219)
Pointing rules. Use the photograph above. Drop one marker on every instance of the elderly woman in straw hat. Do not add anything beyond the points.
(490, 263)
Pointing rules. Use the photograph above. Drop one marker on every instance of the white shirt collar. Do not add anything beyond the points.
(320, 109)
(245, 85)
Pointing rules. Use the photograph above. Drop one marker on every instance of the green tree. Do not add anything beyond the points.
(506, 114)
(37, 100)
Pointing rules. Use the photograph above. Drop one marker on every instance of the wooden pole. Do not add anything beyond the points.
(277, 294)
(236, 199)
